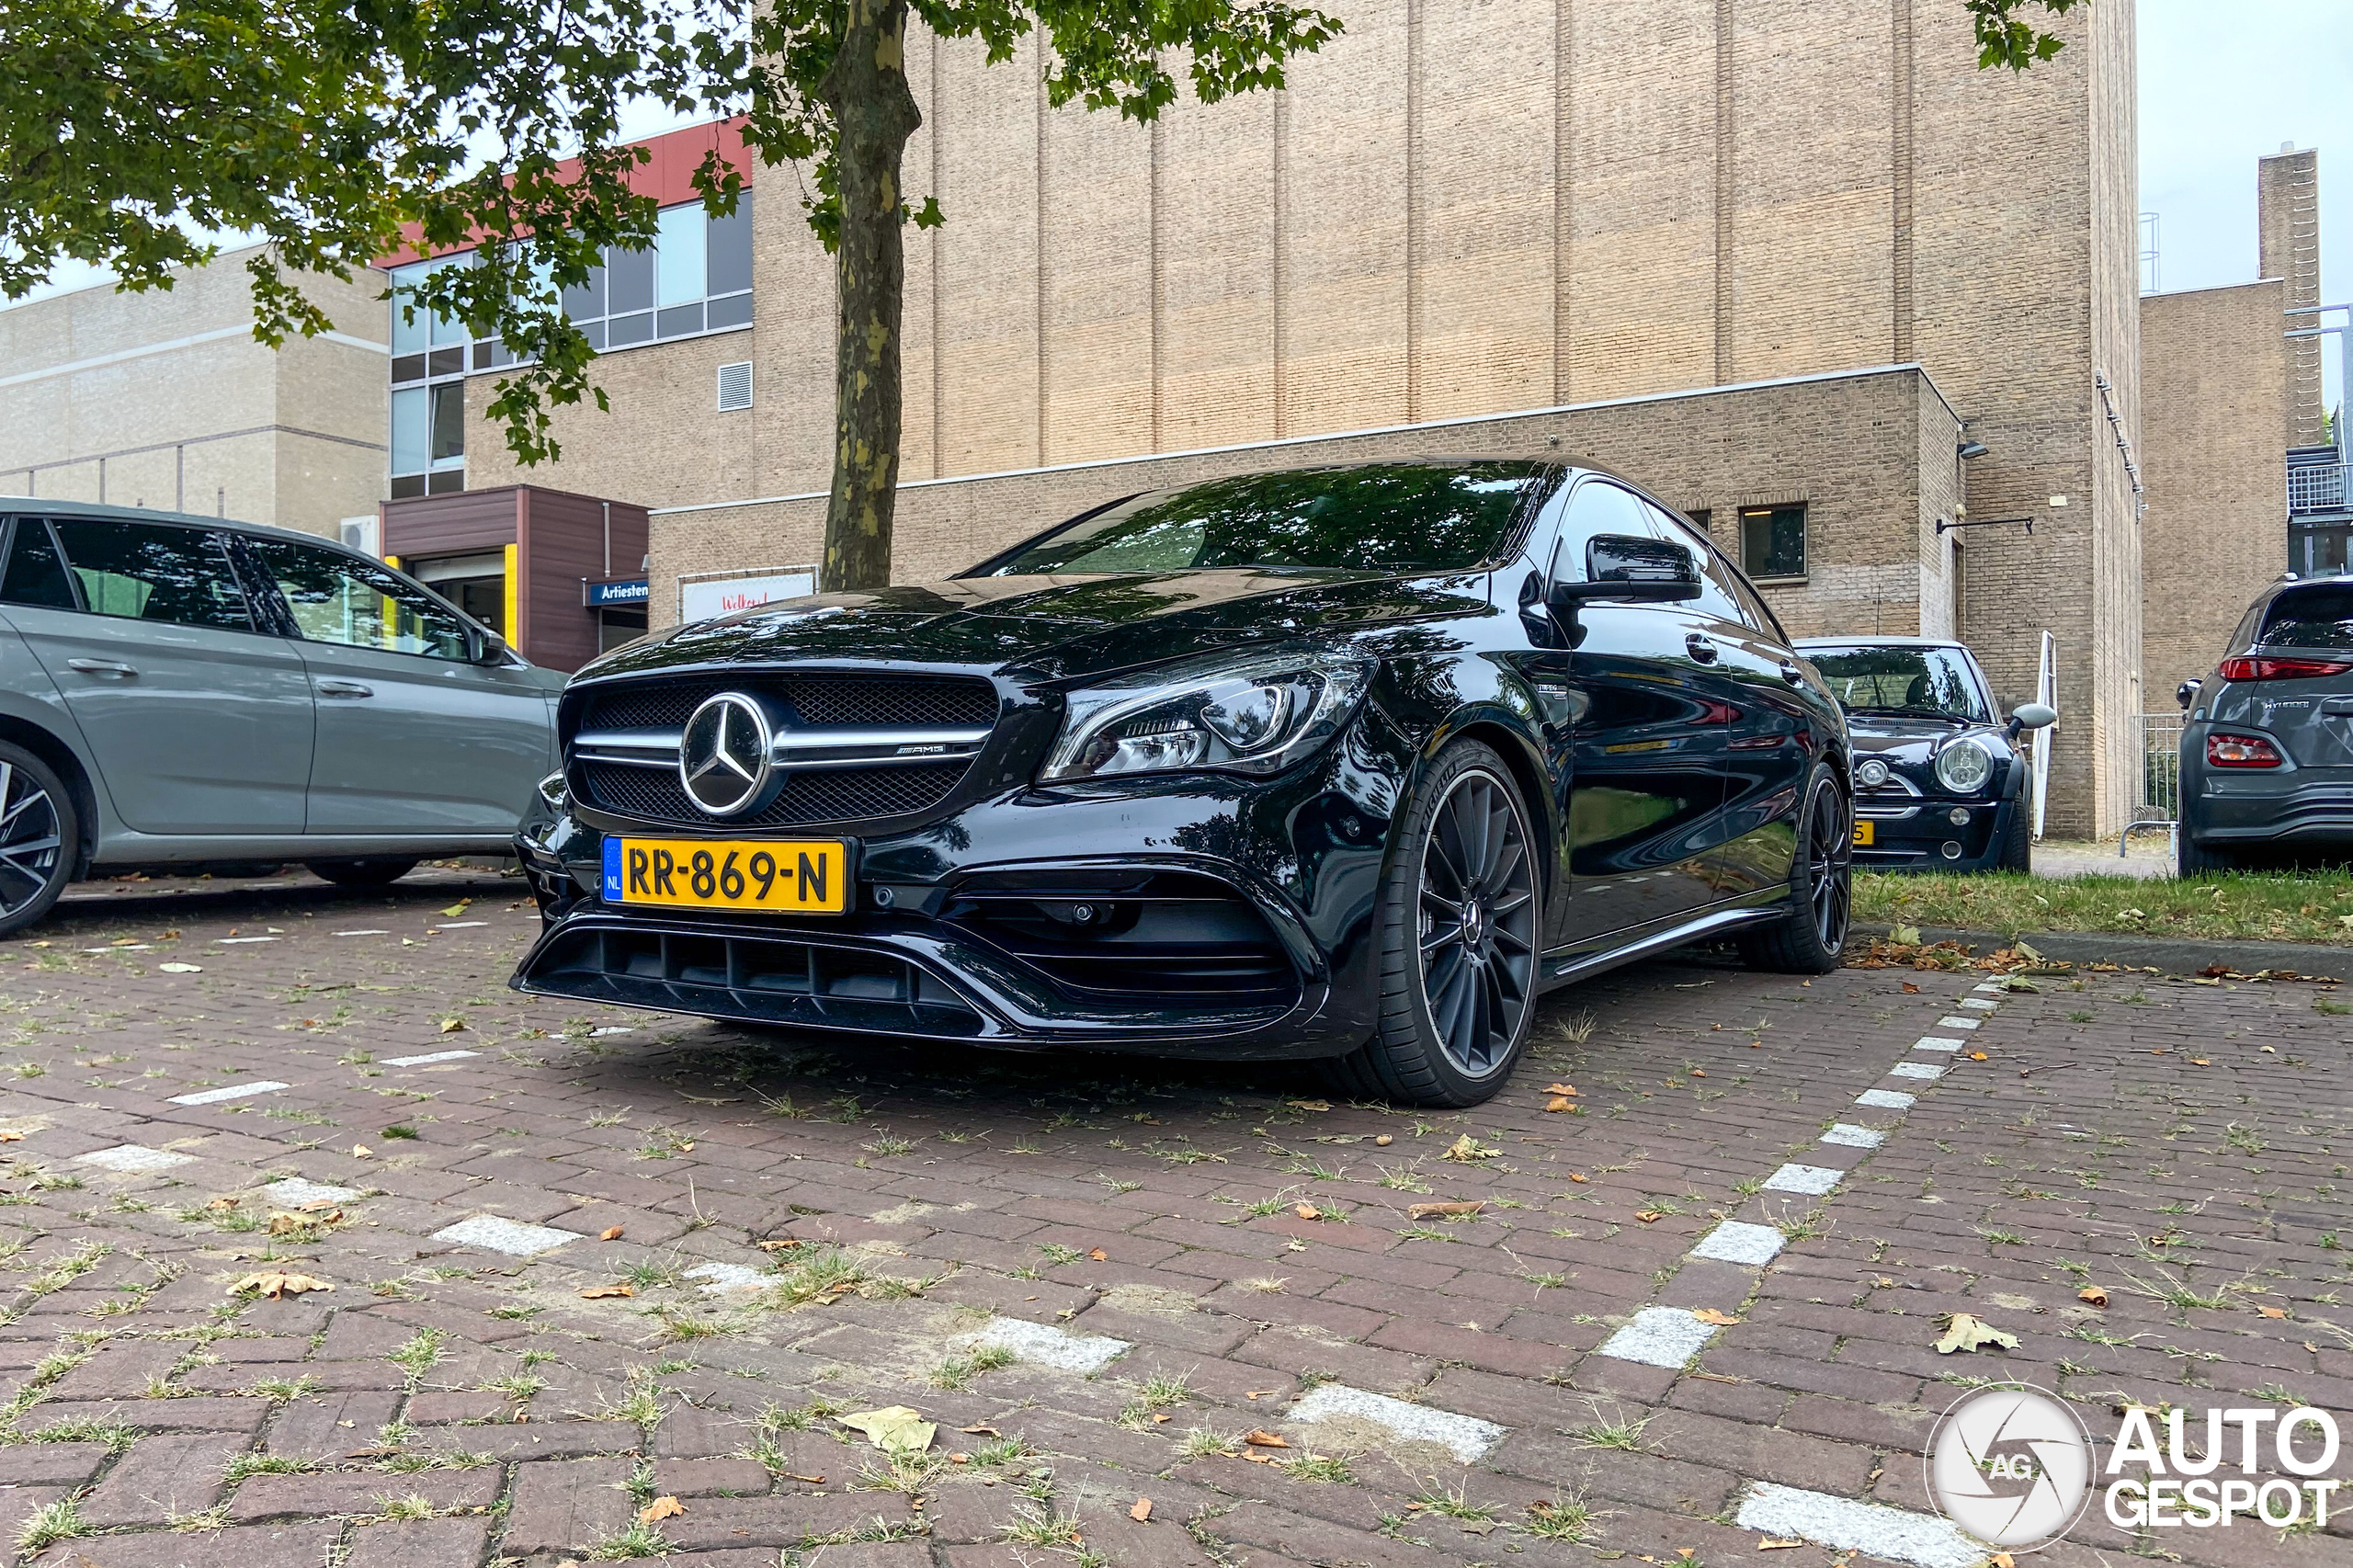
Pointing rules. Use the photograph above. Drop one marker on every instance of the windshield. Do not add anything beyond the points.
(2310, 617)
(1931, 682)
(1379, 518)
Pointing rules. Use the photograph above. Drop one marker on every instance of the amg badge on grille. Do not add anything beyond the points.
(726, 756)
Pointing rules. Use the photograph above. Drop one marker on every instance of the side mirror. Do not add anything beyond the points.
(487, 647)
(1626, 568)
(2187, 692)
(2032, 716)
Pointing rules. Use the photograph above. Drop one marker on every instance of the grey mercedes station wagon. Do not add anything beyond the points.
(178, 690)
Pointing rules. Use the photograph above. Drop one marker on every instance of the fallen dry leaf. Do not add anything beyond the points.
(1467, 1149)
(452, 1026)
(1383, 1140)
(277, 1285)
(1715, 1319)
(2002, 1559)
(1575, 1177)
(1649, 1216)
(321, 1205)
(285, 1225)
(1973, 1333)
(1308, 1105)
(1568, 1089)
(1909, 990)
(457, 909)
(1258, 1439)
(360, 1150)
(609, 1234)
(1260, 1393)
(1698, 1071)
(1307, 1210)
(1768, 1543)
(2272, 1312)
(1160, 1419)
(1141, 1511)
(892, 1426)
(1099, 1256)
(1560, 1103)
(218, 1204)
(607, 1292)
(981, 1431)
(960, 1458)
(660, 1508)
(1442, 1211)
(2199, 1062)
(1977, 1056)
(809, 1479)
(782, 1243)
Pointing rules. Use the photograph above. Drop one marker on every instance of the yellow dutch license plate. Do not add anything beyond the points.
(1864, 831)
(769, 876)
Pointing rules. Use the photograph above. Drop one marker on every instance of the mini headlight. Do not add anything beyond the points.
(1251, 716)
(1870, 773)
(1965, 766)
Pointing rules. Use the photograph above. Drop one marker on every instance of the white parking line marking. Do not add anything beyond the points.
(1848, 1135)
(1887, 1099)
(237, 941)
(1814, 1180)
(231, 1091)
(1959, 1023)
(1465, 1437)
(428, 1056)
(1658, 1337)
(131, 1159)
(611, 1030)
(1982, 1003)
(1083, 1353)
(720, 1277)
(1844, 1524)
(1737, 1241)
(1916, 1070)
(125, 947)
(456, 924)
(1935, 1042)
(362, 933)
(294, 1191)
(1988, 985)
(512, 1237)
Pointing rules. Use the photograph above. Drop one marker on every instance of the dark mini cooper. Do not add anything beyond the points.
(1940, 783)
(2266, 749)
(1345, 764)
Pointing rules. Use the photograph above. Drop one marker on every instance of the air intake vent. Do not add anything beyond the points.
(735, 387)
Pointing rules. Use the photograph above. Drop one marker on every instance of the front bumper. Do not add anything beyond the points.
(1225, 919)
(1916, 842)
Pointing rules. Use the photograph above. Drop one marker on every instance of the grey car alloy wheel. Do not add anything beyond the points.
(31, 841)
(1478, 922)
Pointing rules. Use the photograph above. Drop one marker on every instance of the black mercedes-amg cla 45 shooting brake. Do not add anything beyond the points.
(1344, 764)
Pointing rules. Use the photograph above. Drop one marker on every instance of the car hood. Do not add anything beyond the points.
(1897, 742)
(1051, 627)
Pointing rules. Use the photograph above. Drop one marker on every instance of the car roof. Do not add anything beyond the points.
(1879, 643)
(47, 506)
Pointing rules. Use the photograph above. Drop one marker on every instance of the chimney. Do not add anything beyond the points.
(2288, 223)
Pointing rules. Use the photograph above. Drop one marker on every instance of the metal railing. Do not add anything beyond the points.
(2319, 488)
(2158, 803)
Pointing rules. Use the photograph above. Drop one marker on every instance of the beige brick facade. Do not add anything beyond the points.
(164, 400)
(2214, 369)
(1482, 209)
(2287, 218)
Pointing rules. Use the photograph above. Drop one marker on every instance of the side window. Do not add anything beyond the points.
(153, 572)
(36, 573)
(1596, 508)
(1719, 585)
(336, 599)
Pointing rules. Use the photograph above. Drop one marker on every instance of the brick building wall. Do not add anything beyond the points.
(2287, 217)
(164, 400)
(1480, 209)
(2214, 369)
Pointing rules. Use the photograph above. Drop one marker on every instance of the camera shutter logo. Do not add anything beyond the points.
(2011, 1465)
(724, 756)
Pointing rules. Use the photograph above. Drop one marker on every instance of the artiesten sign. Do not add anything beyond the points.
(624, 591)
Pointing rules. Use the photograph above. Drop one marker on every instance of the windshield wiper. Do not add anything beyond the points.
(1913, 713)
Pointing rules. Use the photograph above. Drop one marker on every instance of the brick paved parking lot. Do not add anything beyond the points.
(604, 1284)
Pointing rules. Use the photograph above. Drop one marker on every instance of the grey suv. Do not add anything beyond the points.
(178, 690)
(2266, 750)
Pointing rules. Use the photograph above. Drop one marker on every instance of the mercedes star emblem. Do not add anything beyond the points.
(723, 757)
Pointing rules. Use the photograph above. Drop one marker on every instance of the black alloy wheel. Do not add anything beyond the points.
(36, 826)
(1806, 941)
(1478, 922)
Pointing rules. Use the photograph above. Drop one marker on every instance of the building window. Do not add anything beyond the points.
(696, 277)
(1772, 541)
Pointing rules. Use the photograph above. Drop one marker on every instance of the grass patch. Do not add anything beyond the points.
(2305, 906)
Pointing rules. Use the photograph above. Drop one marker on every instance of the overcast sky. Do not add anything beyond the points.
(2221, 85)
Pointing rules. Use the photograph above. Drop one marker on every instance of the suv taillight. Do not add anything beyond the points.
(2248, 666)
(2241, 750)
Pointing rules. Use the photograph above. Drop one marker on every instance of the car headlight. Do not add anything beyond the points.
(1870, 773)
(1227, 715)
(1965, 766)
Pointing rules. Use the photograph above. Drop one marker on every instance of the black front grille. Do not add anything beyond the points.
(816, 699)
(845, 794)
(822, 699)
(1158, 937)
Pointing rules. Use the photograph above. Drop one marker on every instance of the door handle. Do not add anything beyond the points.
(1702, 647)
(331, 687)
(102, 667)
(1792, 673)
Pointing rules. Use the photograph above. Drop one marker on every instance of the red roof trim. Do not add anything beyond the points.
(668, 176)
